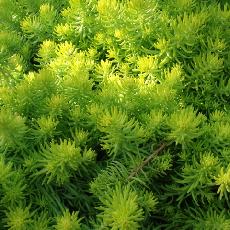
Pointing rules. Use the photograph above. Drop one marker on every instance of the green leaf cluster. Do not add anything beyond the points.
(114, 114)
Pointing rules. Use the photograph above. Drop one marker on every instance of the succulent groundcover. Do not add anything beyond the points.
(114, 114)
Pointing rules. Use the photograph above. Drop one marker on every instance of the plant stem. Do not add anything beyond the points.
(147, 160)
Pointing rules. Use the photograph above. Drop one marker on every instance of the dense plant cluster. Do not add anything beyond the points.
(114, 114)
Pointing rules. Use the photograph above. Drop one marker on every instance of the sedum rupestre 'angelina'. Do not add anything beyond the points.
(114, 114)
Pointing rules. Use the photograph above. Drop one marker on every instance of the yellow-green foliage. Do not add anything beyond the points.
(114, 114)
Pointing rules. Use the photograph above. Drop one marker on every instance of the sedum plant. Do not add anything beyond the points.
(114, 114)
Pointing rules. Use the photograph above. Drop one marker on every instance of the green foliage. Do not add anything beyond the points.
(197, 179)
(39, 27)
(120, 210)
(213, 219)
(114, 114)
(18, 218)
(59, 160)
(185, 125)
(122, 136)
(12, 129)
(223, 181)
(68, 221)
